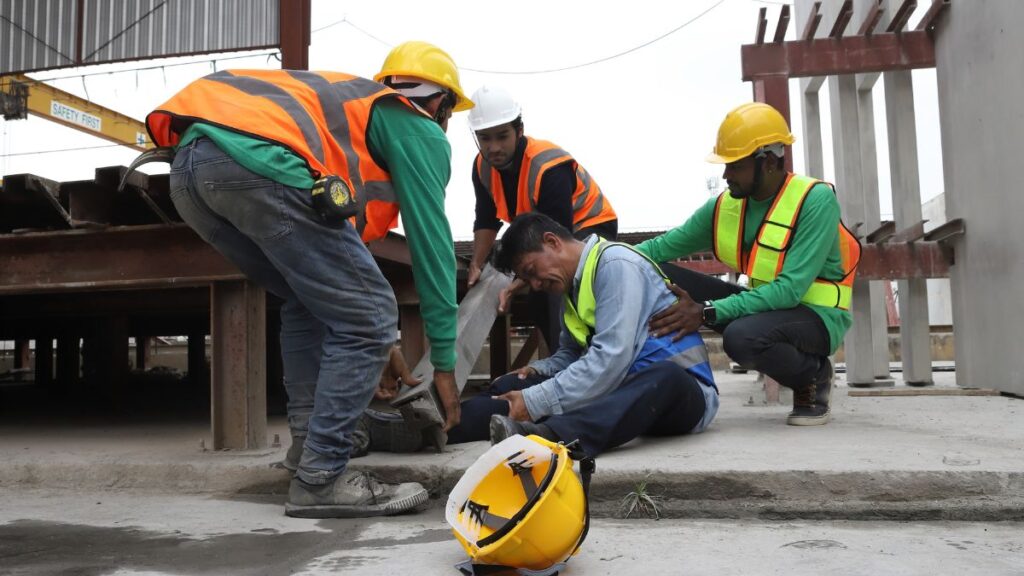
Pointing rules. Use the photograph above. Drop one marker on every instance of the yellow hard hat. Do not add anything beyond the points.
(746, 129)
(426, 61)
(520, 505)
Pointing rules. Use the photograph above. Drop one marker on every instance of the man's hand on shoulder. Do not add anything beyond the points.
(682, 317)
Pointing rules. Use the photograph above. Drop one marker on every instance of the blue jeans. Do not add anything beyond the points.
(662, 399)
(339, 318)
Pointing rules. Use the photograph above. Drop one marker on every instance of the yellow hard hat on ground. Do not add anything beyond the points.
(426, 61)
(521, 505)
(746, 129)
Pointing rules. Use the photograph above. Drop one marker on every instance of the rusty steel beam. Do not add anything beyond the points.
(867, 28)
(762, 25)
(238, 385)
(903, 13)
(842, 19)
(125, 257)
(813, 19)
(135, 196)
(901, 260)
(28, 202)
(837, 56)
(783, 25)
(882, 233)
(937, 8)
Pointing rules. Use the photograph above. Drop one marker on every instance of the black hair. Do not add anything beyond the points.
(517, 124)
(525, 235)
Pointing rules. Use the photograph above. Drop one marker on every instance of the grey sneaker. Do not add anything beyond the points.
(352, 495)
(502, 427)
(811, 402)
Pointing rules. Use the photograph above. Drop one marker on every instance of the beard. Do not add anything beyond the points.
(738, 193)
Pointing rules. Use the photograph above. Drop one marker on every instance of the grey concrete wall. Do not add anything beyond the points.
(978, 53)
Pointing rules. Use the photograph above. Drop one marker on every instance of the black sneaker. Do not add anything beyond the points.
(811, 402)
(352, 495)
(502, 427)
(390, 433)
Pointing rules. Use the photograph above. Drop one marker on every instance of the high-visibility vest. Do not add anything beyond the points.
(764, 261)
(589, 206)
(320, 116)
(688, 352)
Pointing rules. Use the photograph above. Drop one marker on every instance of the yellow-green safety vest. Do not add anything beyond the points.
(764, 261)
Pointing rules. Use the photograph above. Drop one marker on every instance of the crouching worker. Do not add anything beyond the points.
(609, 381)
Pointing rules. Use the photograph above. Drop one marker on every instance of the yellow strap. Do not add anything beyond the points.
(823, 293)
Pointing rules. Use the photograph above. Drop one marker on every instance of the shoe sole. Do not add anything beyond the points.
(284, 465)
(497, 431)
(407, 504)
(809, 420)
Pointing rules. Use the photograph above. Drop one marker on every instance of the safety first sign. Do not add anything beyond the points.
(74, 116)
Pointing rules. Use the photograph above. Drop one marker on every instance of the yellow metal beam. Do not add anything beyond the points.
(64, 108)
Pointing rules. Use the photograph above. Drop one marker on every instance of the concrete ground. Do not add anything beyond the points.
(58, 533)
(907, 458)
(82, 495)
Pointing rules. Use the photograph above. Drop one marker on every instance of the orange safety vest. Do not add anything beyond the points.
(589, 206)
(320, 116)
(764, 261)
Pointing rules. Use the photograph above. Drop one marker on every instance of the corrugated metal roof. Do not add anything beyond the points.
(43, 34)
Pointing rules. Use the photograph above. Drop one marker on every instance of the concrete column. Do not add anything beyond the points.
(811, 112)
(859, 344)
(44, 360)
(238, 373)
(977, 51)
(915, 338)
(872, 219)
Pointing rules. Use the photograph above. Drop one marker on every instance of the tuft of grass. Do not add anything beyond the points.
(640, 501)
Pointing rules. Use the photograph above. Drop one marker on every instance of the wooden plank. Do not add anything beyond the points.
(925, 392)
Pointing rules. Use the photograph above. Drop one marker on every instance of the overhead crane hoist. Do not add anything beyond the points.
(21, 96)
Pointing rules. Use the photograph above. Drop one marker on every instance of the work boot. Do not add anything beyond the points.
(390, 433)
(811, 402)
(291, 458)
(352, 495)
(502, 427)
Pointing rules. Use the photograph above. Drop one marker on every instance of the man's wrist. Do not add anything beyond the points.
(708, 314)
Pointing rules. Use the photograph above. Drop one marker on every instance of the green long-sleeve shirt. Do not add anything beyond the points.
(813, 252)
(418, 157)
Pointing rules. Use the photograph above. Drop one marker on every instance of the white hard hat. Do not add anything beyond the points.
(493, 107)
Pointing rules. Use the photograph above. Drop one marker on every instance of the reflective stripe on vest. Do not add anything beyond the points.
(320, 116)
(765, 260)
(589, 206)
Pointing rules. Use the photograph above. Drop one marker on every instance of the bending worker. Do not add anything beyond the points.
(610, 380)
(515, 174)
(784, 232)
(251, 144)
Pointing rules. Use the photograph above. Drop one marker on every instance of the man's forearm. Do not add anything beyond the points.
(483, 241)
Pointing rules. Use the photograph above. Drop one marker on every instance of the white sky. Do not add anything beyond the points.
(640, 123)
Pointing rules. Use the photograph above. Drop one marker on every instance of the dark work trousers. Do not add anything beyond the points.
(663, 399)
(788, 345)
(546, 308)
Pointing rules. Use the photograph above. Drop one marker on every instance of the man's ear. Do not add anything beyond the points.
(552, 241)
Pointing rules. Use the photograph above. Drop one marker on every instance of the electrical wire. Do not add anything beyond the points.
(60, 150)
(606, 58)
(548, 70)
(159, 66)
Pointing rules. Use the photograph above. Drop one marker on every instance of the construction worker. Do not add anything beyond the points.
(784, 232)
(251, 148)
(610, 380)
(515, 174)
